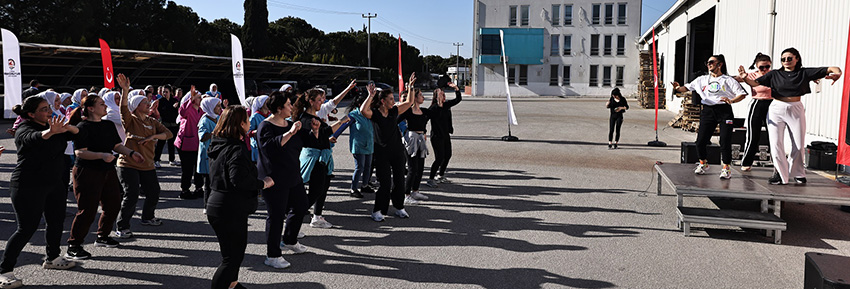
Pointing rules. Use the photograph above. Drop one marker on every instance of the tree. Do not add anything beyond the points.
(255, 31)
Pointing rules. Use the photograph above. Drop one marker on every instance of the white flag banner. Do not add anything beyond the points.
(511, 114)
(11, 72)
(238, 68)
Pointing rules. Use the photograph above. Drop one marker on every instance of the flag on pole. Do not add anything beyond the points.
(108, 71)
(238, 67)
(843, 156)
(511, 114)
(400, 75)
(11, 72)
(655, 75)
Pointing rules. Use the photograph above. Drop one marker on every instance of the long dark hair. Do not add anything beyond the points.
(30, 105)
(303, 101)
(230, 123)
(81, 111)
(721, 59)
(796, 53)
(434, 96)
(376, 101)
(356, 102)
(760, 57)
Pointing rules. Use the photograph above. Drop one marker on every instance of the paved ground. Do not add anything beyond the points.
(555, 210)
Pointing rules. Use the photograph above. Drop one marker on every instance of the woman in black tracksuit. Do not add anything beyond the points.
(441, 130)
(618, 105)
(234, 183)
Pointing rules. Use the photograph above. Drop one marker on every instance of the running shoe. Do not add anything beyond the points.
(726, 173)
(410, 201)
(123, 234)
(419, 196)
(107, 242)
(746, 168)
(377, 216)
(77, 253)
(355, 194)
(8, 280)
(301, 235)
(152, 222)
(279, 262)
(443, 180)
(320, 222)
(174, 163)
(402, 214)
(776, 179)
(157, 165)
(431, 183)
(610, 146)
(701, 169)
(367, 190)
(296, 249)
(615, 146)
(800, 180)
(59, 264)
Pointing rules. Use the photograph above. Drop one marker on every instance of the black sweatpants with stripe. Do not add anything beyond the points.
(756, 119)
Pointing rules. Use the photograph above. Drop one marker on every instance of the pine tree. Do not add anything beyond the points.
(255, 31)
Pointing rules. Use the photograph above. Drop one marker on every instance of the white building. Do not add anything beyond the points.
(579, 47)
(461, 78)
(692, 30)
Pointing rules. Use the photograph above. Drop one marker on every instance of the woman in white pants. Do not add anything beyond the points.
(788, 85)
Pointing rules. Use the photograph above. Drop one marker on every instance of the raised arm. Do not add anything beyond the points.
(366, 107)
(834, 73)
(742, 74)
(340, 96)
(408, 101)
(458, 96)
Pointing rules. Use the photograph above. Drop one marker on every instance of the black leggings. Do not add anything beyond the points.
(416, 166)
(319, 184)
(442, 154)
(756, 119)
(389, 165)
(614, 124)
(30, 204)
(709, 118)
(232, 234)
(279, 203)
(188, 164)
(160, 145)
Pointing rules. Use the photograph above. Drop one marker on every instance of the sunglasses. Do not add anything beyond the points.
(764, 67)
(787, 59)
(710, 62)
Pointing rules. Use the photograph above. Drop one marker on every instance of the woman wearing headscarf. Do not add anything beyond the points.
(35, 186)
(142, 133)
(187, 143)
(259, 112)
(65, 101)
(214, 91)
(76, 100)
(212, 109)
(113, 112)
(53, 102)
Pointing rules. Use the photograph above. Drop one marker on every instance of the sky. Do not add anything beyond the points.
(433, 26)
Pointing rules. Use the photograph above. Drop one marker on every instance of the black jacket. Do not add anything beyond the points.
(29, 92)
(441, 121)
(231, 171)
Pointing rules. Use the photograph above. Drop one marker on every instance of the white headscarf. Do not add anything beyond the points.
(50, 97)
(65, 96)
(135, 101)
(249, 102)
(78, 96)
(113, 113)
(183, 100)
(103, 91)
(208, 106)
(136, 92)
(285, 87)
(258, 103)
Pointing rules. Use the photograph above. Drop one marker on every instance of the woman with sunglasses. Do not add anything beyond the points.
(788, 85)
(718, 91)
(757, 114)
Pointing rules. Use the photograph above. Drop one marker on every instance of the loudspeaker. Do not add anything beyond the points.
(824, 271)
(689, 153)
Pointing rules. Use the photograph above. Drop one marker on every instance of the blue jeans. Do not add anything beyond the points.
(362, 171)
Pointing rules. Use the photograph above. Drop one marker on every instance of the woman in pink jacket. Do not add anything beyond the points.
(187, 144)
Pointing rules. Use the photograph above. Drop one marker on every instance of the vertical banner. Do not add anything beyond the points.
(108, 71)
(11, 72)
(238, 67)
(843, 156)
(511, 114)
(655, 75)
(400, 75)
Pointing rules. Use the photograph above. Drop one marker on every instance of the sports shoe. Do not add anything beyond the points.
(701, 169)
(123, 234)
(419, 196)
(410, 201)
(443, 180)
(301, 235)
(59, 263)
(615, 146)
(776, 179)
(431, 183)
(152, 222)
(746, 168)
(77, 253)
(402, 214)
(610, 146)
(726, 173)
(320, 222)
(800, 180)
(377, 216)
(107, 242)
(174, 163)
(279, 262)
(296, 249)
(8, 280)
(157, 165)
(367, 190)
(355, 194)
(187, 195)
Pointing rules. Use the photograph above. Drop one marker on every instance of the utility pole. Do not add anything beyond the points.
(369, 16)
(457, 62)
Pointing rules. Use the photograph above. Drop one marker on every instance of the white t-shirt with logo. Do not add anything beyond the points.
(711, 88)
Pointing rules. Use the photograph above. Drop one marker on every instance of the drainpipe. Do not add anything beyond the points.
(772, 27)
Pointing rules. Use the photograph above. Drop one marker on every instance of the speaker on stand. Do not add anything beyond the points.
(825, 271)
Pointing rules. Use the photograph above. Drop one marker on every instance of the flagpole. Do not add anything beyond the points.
(511, 115)
(656, 142)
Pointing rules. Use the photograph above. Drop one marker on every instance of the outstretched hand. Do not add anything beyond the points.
(371, 89)
(57, 124)
(742, 72)
(834, 77)
(123, 81)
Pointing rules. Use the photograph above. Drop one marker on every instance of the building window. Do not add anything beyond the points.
(606, 76)
(566, 75)
(491, 44)
(568, 14)
(553, 75)
(609, 14)
(596, 14)
(523, 75)
(512, 16)
(556, 49)
(594, 44)
(556, 15)
(621, 14)
(594, 76)
(524, 15)
(511, 74)
(607, 49)
(568, 45)
(621, 45)
(620, 71)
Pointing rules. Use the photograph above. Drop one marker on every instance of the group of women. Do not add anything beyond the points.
(776, 103)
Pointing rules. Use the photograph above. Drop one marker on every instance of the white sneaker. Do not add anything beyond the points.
(59, 263)
(279, 262)
(377, 216)
(8, 280)
(402, 214)
(443, 180)
(431, 183)
(410, 201)
(419, 196)
(296, 249)
(174, 163)
(320, 222)
(726, 173)
(123, 234)
(701, 169)
(301, 235)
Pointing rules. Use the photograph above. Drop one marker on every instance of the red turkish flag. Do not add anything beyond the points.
(843, 156)
(400, 76)
(108, 71)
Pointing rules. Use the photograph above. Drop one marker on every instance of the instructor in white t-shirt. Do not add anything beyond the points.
(718, 91)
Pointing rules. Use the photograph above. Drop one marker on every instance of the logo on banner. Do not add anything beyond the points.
(238, 66)
(108, 74)
(11, 64)
(12, 73)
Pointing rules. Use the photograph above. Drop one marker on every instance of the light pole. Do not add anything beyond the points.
(457, 61)
(369, 16)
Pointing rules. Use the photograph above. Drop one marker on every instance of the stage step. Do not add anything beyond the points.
(743, 219)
